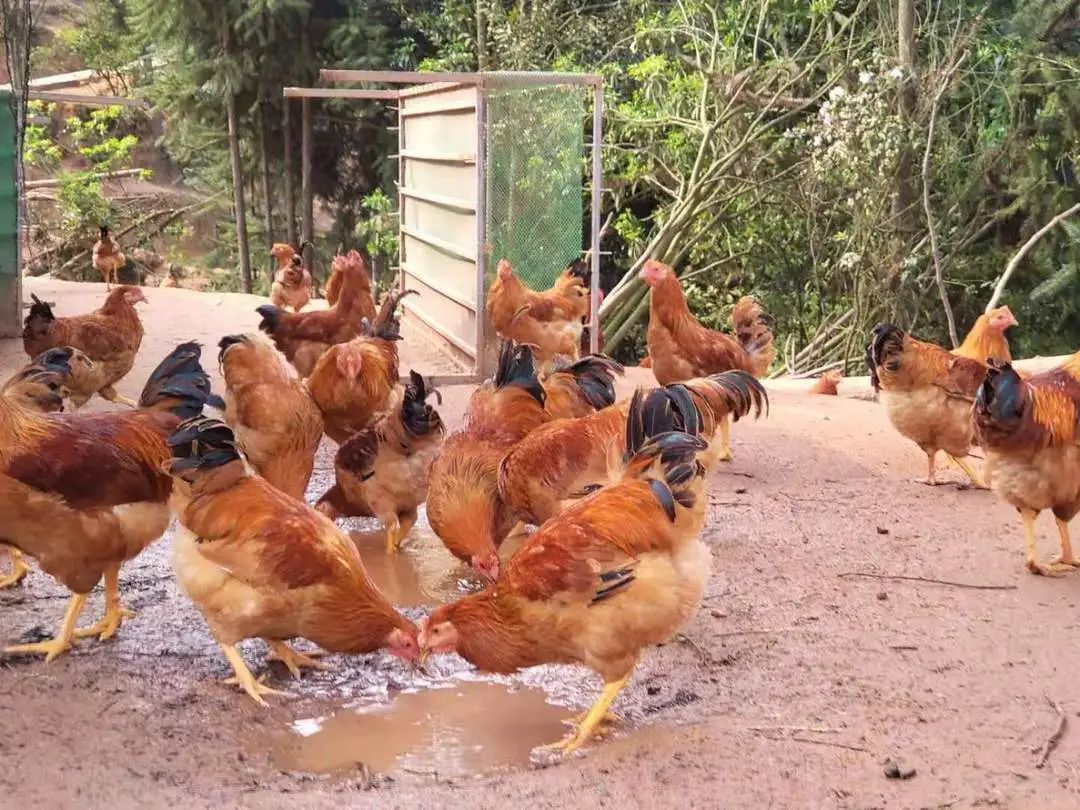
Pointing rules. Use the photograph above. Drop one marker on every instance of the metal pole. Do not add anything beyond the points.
(401, 147)
(481, 230)
(306, 194)
(597, 193)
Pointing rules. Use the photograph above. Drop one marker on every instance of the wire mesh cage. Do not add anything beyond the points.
(534, 159)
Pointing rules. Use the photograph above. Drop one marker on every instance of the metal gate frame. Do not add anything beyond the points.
(415, 85)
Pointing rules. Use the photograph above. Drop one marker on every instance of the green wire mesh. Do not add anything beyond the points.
(535, 143)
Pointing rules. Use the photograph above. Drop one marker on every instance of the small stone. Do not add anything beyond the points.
(895, 769)
(882, 596)
(882, 530)
(652, 689)
(740, 490)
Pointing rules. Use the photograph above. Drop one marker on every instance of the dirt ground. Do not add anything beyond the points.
(791, 688)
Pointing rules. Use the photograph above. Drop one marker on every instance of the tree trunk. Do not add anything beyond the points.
(306, 145)
(904, 201)
(264, 159)
(481, 36)
(237, 171)
(290, 174)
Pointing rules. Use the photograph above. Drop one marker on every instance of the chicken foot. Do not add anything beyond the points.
(593, 719)
(293, 659)
(19, 568)
(1067, 562)
(115, 613)
(63, 640)
(244, 679)
(975, 477)
(725, 440)
(397, 529)
(931, 471)
(111, 394)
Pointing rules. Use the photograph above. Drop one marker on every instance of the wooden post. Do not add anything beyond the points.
(290, 173)
(597, 198)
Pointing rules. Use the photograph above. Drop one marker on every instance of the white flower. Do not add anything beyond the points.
(866, 77)
(850, 259)
(896, 73)
(837, 93)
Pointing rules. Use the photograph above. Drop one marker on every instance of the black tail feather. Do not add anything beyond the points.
(516, 368)
(202, 443)
(181, 377)
(418, 417)
(595, 375)
(271, 317)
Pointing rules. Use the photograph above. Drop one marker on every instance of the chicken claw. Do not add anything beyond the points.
(64, 639)
(976, 479)
(589, 726)
(245, 680)
(19, 569)
(115, 613)
(293, 659)
(1063, 564)
(725, 440)
(110, 393)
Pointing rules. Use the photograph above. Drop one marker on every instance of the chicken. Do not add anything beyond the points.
(107, 257)
(383, 470)
(1028, 429)
(987, 337)
(86, 492)
(292, 281)
(40, 387)
(110, 337)
(43, 383)
(463, 504)
(549, 321)
(260, 564)
(680, 348)
(581, 387)
(928, 393)
(560, 461)
(828, 383)
(276, 422)
(620, 570)
(354, 382)
(303, 337)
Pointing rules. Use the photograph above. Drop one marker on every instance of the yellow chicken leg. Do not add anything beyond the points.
(593, 718)
(19, 568)
(1033, 564)
(1067, 557)
(725, 440)
(244, 679)
(64, 639)
(293, 659)
(393, 537)
(931, 470)
(110, 393)
(975, 477)
(115, 613)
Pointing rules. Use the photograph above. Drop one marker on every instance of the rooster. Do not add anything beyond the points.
(559, 462)
(107, 257)
(928, 393)
(272, 414)
(356, 381)
(680, 348)
(86, 492)
(549, 321)
(292, 281)
(464, 506)
(619, 571)
(987, 339)
(383, 470)
(303, 337)
(110, 337)
(1030, 431)
(260, 564)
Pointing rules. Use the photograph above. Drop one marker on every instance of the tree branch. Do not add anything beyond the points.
(1025, 249)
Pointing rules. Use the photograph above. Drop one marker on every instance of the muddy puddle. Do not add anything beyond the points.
(423, 573)
(462, 729)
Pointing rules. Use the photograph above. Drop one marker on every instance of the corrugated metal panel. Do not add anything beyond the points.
(10, 314)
